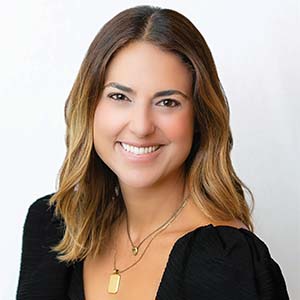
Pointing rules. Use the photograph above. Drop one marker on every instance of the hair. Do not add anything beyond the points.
(86, 199)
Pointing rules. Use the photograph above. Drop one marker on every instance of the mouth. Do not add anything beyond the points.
(139, 150)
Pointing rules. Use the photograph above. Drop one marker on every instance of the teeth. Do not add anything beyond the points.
(139, 150)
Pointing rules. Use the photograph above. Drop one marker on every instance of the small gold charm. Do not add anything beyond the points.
(135, 250)
(114, 282)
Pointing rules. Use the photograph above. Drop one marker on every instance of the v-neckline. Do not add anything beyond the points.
(79, 264)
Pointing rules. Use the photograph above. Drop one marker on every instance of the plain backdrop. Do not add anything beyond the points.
(255, 45)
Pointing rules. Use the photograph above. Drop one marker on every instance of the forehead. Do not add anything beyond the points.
(144, 66)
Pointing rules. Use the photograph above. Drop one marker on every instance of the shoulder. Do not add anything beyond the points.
(40, 207)
(231, 244)
(41, 275)
(225, 262)
(225, 242)
(41, 218)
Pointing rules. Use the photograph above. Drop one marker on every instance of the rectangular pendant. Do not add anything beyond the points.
(114, 283)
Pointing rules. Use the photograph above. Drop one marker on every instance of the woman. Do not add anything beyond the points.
(148, 204)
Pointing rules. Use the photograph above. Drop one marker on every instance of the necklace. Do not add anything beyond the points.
(115, 277)
(135, 248)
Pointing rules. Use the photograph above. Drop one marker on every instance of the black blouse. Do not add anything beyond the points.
(208, 263)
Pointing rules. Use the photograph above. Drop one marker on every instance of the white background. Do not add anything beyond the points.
(256, 48)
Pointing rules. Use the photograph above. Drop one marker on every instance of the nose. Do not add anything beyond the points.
(141, 121)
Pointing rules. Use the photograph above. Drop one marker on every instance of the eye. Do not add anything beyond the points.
(117, 97)
(169, 103)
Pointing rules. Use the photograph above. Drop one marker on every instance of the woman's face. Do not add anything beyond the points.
(146, 104)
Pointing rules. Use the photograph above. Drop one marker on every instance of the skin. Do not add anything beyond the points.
(152, 191)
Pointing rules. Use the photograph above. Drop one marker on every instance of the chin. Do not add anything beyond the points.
(138, 182)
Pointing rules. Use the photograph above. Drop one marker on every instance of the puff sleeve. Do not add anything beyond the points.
(222, 262)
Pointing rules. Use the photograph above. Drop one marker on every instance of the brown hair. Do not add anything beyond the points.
(86, 198)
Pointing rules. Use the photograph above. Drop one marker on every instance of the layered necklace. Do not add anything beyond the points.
(115, 277)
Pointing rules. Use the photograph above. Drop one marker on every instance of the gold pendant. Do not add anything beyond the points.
(114, 282)
(135, 250)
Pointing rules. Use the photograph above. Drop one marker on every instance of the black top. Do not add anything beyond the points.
(208, 263)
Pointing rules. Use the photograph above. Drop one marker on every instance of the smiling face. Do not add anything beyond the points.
(146, 102)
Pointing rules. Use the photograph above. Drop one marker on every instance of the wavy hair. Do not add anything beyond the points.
(86, 199)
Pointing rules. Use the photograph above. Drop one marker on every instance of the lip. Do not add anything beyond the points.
(146, 157)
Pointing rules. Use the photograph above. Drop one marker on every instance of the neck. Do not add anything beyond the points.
(148, 208)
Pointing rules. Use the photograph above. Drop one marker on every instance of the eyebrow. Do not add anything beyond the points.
(156, 95)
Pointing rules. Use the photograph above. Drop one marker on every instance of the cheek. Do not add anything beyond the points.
(180, 129)
(106, 121)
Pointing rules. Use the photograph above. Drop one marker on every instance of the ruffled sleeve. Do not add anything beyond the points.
(222, 262)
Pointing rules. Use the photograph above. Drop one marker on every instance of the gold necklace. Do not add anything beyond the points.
(115, 277)
(135, 248)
